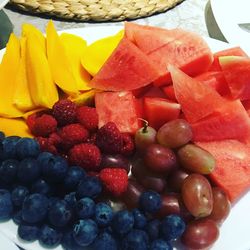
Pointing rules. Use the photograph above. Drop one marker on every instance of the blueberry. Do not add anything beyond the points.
(28, 232)
(27, 147)
(140, 219)
(69, 243)
(90, 187)
(172, 227)
(160, 245)
(85, 208)
(17, 217)
(135, 239)
(35, 208)
(85, 232)
(60, 214)
(49, 237)
(123, 222)
(6, 206)
(73, 177)
(8, 147)
(2, 136)
(18, 195)
(150, 201)
(104, 241)
(54, 168)
(40, 186)
(71, 200)
(153, 229)
(8, 171)
(103, 214)
(28, 171)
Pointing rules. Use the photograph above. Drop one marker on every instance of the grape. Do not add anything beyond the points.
(145, 136)
(197, 195)
(109, 161)
(147, 178)
(196, 159)
(200, 234)
(159, 158)
(221, 205)
(174, 134)
(175, 179)
(132, 194)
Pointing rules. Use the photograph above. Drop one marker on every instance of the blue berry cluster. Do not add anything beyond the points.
(57, 204)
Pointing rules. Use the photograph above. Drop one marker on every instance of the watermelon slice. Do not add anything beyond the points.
(158, 111)
(230, 122)
(197, 100)
(120, 108)
(232, 171)
(235, 51)
(237, 73)
(169, 92)
(127, 68)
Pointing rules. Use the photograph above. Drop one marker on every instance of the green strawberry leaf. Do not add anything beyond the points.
(6, 28)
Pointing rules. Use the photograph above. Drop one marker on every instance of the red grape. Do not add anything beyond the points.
(175, 179)
(174, 134)
(159, 158)
(200, 234)
(197, 195)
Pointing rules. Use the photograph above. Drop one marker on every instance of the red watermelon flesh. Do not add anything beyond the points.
(197, 100)
(246, 104)
(118, 107)
(230, 122)
(169, 92)
(215, 80)
(232, 171)
(237, 73)
(235, 51)
(126, 69)
(158, 111)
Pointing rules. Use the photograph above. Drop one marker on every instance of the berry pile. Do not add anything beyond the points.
(55, 203)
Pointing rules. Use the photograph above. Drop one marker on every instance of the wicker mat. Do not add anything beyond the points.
(96, 10)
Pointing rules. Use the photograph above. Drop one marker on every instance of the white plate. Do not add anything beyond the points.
(228, 14)
(234, 233)
(3, 3)
(6, 244)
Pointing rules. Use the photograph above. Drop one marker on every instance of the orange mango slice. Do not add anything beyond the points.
(99, 51)
(75, 47)
(8, 70)
(59, 64)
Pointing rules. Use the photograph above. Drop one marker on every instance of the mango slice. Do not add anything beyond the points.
(15, 126)
(75, 47)
(59, 64)
(8, 70)
(22, 97)
(42, 88)
(85, 98)
(98, 52)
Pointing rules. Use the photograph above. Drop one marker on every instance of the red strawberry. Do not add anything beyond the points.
(109, 138)
(115, 180)
(86, 155)
(88, 117)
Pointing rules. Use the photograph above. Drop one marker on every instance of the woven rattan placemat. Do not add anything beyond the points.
(96, 10)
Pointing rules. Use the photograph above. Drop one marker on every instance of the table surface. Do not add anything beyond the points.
(188, 15)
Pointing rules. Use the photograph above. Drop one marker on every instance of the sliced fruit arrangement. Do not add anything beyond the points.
(148, 118)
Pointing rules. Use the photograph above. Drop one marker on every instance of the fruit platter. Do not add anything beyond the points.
(132, 137)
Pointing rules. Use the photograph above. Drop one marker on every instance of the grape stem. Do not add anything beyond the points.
(145, 125)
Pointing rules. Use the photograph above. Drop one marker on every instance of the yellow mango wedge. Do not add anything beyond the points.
(42, 88)
(30, 29)
(22, 97)
(15, 126)
(8, 71)
(75, 47)
(98, 52)
(59, 63)
(85, 98)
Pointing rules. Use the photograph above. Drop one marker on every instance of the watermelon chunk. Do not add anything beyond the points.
(120, 108)
(197, 100)
(230, 122)
(158, 111)
(237, 73)
(232, 171)
(169, 92)
(126, 69)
